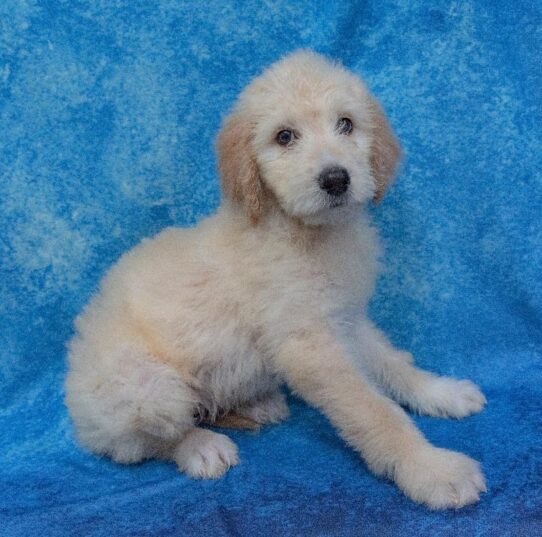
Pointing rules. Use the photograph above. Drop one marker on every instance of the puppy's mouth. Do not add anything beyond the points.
(346, 202)
(341, 202)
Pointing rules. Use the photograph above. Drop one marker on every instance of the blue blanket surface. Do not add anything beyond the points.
(108, 113)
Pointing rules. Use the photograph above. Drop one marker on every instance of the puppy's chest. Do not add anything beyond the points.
(346, 271)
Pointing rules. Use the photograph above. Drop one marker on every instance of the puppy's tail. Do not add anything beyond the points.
(235, 421)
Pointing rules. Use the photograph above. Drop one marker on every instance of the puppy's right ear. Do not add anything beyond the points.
(240, 178)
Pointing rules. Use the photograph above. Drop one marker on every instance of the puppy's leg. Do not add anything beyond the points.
(420, 390)
(318, 368)
(128, 404)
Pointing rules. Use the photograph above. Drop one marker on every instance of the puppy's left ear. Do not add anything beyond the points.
(385, 150)
(240, 177)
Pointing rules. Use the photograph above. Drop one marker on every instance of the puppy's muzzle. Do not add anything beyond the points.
(334, 180)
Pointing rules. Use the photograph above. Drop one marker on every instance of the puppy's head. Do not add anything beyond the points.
(308, 136)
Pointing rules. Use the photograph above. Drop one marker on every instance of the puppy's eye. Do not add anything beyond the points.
(285, 137)
(344, 126)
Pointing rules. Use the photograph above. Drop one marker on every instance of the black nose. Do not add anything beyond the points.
(334, 180)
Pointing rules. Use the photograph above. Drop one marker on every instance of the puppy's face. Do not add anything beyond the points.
(313, 146)
(307, 135)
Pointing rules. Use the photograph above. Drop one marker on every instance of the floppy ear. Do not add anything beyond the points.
(385, 150)
(240, 178)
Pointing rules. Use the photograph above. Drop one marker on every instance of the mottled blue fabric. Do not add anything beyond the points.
(108, 113)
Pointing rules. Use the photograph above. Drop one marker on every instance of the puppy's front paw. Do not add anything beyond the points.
(205, 454)
(450, 398)
(441, 479)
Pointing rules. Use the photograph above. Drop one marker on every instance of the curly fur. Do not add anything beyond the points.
(205, 324)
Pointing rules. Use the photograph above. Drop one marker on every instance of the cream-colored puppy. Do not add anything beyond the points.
(197, 324)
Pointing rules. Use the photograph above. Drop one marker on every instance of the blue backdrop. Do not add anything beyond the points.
(108, 113)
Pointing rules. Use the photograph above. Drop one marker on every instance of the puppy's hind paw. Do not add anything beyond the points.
(204, 454)
(271, 409)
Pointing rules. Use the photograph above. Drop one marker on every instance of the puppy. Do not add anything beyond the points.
(205, 324)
